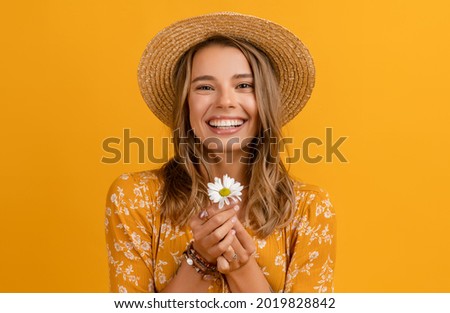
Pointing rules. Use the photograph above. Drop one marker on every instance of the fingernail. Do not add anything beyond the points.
(203, 214)
(234, 200)
(236, 208)
(233, 220)
(233, 232)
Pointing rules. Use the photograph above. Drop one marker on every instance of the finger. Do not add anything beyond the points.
(214, 207)
(220, 232)
(244, 238)
(222, 265)
(205, 214)
(237, 247)
(219, 248)
(196, 223)
(229, 254)
(214, 226)
(196, 220)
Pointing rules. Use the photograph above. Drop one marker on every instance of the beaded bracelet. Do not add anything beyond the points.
(201, 266)
(199, 259)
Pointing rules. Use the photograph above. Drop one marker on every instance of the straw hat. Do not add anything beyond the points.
(293, 63)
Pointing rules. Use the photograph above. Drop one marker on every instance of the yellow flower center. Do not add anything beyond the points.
(224, 192)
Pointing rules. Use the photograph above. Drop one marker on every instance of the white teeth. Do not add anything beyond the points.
(226, 123)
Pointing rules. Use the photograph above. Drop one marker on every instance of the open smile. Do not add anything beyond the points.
(225, 125)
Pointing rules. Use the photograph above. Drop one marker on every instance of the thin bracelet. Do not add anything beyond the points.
(197, 258)
(194, 259)
(201, 266)
(206, 275)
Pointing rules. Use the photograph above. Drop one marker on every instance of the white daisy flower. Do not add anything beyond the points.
(221, 193)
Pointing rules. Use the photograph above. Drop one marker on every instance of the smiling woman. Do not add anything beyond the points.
(221, 99)
(225, 91)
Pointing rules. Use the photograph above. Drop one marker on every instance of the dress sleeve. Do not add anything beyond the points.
(129, 236)
(313, 244)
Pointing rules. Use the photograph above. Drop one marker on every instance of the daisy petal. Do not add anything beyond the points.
(216, 194)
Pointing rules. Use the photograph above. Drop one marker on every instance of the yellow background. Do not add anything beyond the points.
(68, 81)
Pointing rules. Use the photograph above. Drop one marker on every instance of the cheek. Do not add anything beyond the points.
(195, 116)
(252, 111)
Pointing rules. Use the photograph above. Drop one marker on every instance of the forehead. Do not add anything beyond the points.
(218, 58)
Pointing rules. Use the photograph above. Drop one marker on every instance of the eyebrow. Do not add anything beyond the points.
(209, 77)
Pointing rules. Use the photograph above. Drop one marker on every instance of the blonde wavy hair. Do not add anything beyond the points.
(271, 199)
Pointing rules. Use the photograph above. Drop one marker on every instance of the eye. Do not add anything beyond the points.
(204, 87)
(245, 85)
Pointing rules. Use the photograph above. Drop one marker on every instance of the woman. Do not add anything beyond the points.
(225, 83)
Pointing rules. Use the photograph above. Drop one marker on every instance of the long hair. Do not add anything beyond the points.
(271, 200)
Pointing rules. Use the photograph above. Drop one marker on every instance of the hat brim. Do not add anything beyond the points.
(291, 59)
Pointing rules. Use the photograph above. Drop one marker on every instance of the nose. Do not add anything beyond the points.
(226, 99)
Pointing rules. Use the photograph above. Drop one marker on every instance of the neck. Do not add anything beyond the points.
(230, 163)
(234, 168)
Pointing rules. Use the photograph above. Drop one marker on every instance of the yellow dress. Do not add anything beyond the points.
(144, 251)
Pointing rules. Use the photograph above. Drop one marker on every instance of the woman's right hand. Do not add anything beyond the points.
(239, 253)
(213, 232)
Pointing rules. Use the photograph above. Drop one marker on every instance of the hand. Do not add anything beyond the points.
(238, 253)
(213, 231)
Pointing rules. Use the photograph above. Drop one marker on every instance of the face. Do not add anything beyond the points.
(222, 104)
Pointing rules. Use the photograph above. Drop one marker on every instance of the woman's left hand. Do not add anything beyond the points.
(238, 253)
